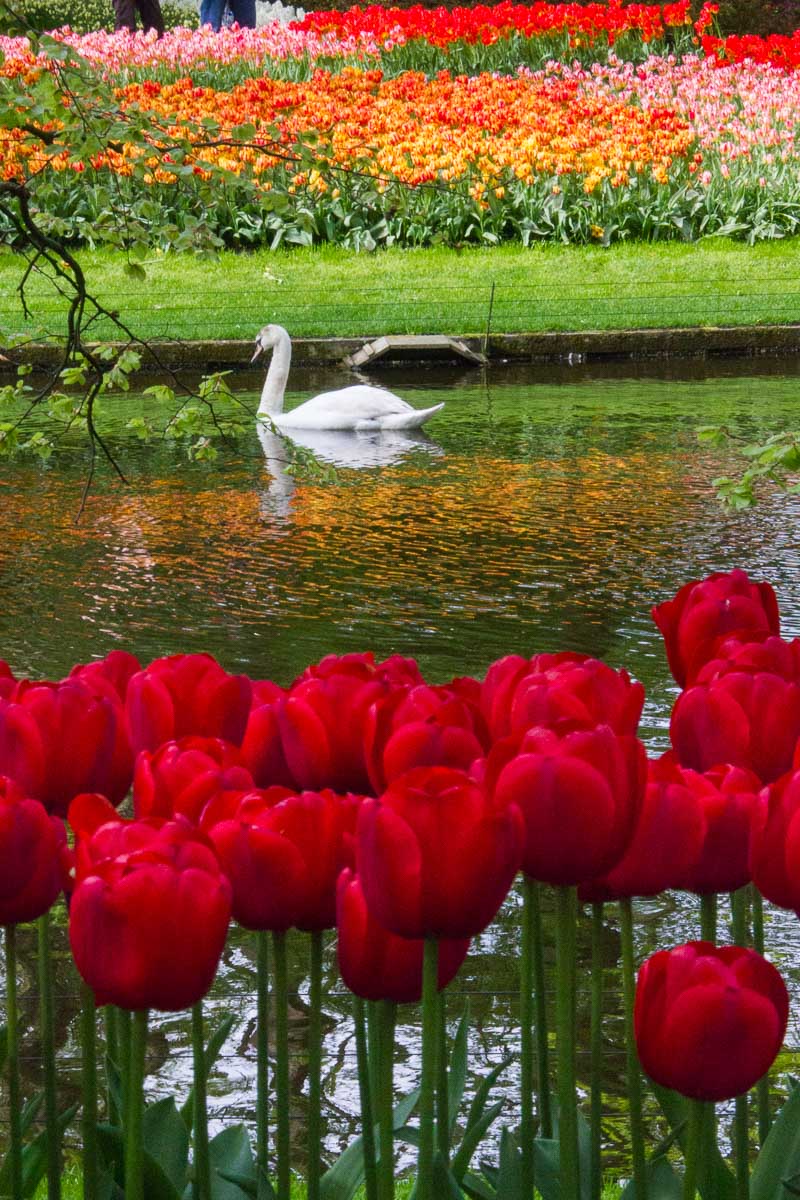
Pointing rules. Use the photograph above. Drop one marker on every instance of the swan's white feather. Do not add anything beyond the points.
(360, 407)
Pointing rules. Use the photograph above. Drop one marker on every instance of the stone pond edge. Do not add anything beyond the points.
(499, 348)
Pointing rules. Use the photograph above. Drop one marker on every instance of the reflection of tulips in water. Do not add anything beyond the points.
(364, 797)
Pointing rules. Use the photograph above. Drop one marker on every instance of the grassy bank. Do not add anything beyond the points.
(329, 291)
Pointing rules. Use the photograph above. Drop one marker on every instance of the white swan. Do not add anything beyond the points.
(359, 407)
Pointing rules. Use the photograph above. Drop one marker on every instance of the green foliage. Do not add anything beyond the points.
(774, 461)
(87, 15)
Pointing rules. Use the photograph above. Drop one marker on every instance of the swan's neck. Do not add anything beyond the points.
(275, 383)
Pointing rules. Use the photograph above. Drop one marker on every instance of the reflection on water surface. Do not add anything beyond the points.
(543, 509)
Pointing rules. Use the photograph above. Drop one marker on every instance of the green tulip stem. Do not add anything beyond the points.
(596, 1044)
(740, 913)
(124, 1048)
(762, 1087)
(569, 1174)
(315, 1068)
(740, 902)
(696, 1134)
(114, 1116)
(12, 1063)
(708, 918)
(202, 1162)
(373, 1043)
(282, 1065)
(134, 1109)
(262, 1049)
(365, 1095)
(427, 1094)
(533, 893)
(88, 1033)
(526, 1018)
(387, 1020)
(48, 1028)
(442, 1097)
(632, 1058)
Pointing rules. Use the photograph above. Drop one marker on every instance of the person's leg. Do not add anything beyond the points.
(244, 13)
(124, 15)
(211, 12)
(150, 12)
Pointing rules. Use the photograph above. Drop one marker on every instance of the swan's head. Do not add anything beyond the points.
(266, 339)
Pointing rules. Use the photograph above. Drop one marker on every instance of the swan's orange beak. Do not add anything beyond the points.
(257, 352)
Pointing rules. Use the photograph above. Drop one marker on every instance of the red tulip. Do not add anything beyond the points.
(749, 720)
(772, 655)
(436, 855)
(186, 694)
(705, 612)
(378, 965)
(321, 721)
(422, 727)
(666, 841)
(33, 856)
(181, 777)
(562, 692)
(8, 683)
(729, 798)
(60, 739)
(580, 796)
(709, 1020)
(262, 748)
(115, 671)
(775, 842)
(283, 854)
(149, 914)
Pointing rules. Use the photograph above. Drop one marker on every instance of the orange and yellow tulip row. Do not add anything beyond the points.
(409, 129)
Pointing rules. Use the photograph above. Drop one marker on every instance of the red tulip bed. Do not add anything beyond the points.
(364, 800)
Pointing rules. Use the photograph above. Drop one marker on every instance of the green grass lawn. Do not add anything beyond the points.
(329, 291)
(71, 1189)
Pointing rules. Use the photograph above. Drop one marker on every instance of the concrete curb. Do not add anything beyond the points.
(575, 346)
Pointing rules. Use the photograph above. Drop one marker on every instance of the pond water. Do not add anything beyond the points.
(548, 508)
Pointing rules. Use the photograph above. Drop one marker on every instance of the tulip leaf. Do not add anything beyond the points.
(257, 1189)
(232, 1158)
(477, 1187)
(444, 1184)
(547, 1160)
(344, 1177)
(34, 1155)
(716, 1181)
(472, 1139)
(779, 1158)
(663, 1183)
(213, 1047)
(481, 1097)
(509, 1174)
(29, 1111)
(157, 1185)
(166, 1139)
(457, 1074)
